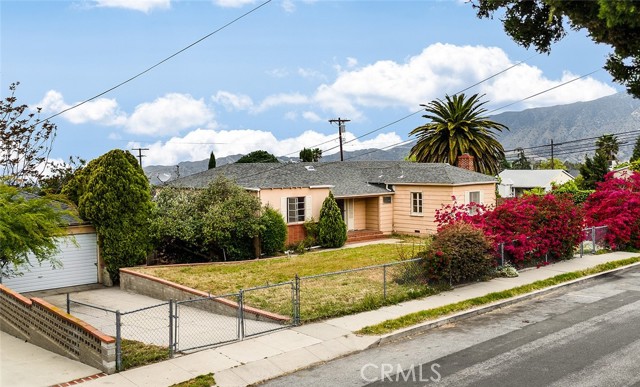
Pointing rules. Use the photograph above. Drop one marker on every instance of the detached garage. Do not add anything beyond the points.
(80, 265)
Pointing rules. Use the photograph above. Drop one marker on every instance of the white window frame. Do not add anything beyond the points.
(417, 203)
(296, 209)
(472, 210)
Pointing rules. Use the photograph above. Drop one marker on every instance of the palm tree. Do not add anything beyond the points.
(608, 145)
(458, 126)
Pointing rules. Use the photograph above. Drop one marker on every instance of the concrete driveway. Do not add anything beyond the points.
(24, 364)
(146, 319)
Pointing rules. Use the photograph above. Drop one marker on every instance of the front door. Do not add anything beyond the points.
(349, 214)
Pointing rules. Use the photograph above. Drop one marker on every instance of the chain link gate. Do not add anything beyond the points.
(280, 297)
(207, 321)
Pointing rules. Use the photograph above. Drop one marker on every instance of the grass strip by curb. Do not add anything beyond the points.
(199, 381)
(391, 325)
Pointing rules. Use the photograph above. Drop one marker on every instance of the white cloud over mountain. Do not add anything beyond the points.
(198, 144)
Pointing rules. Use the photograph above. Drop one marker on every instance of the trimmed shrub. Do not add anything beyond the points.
(459, 253)
(332, 231)
(273, 233)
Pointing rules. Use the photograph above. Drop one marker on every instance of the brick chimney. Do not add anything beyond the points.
(465, 161)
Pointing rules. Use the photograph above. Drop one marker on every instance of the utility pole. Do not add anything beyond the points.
(340, 122)
(140, 155)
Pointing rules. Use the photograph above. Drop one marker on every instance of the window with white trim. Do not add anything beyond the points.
(295, 209)
(473, 197)
(416, 203)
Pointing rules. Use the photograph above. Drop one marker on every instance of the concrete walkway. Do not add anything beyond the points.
(271, 355)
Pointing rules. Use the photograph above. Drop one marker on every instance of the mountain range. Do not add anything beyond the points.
(573, 128)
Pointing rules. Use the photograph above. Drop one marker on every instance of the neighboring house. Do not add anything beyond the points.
(80, 262)
(513, 182)
(381, 196)
(622, 173)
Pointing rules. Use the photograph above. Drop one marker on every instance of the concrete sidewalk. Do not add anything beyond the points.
(271, 355)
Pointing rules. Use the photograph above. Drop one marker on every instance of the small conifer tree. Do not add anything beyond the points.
(332, 231)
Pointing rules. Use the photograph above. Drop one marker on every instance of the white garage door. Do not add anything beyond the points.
(79, 267)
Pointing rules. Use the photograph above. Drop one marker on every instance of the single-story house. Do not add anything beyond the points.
(380, 196)
(513, 182)
(623, 172)
(81, 262)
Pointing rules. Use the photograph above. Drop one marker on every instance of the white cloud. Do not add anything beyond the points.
(288, 6)
(311, 74)
(103, 111)
(136, 5)
(442, 69)
(278, 73)
(352, 62)
(232, 3)
(232, 101)
(311, 117)
(198, 144)
(281, 99)
(169, 115)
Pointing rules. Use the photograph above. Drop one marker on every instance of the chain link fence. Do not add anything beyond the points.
(593, 239)
(350, 291)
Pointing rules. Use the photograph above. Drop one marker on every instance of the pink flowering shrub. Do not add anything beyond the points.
(531, 227)
(616, 204)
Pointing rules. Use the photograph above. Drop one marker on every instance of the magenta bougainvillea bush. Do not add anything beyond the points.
(530, 228)
(616, 204)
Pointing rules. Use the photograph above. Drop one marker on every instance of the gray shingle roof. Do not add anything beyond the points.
(353, 178)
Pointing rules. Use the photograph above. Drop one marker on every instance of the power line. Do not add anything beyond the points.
(159, 63)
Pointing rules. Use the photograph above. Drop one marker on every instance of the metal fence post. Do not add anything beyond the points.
(384, 282)
(68, 304)
(296, 317)
(171, 328)
(593, 239)
(581, 249)
(241, 314)
(118, 343)
(502, 253)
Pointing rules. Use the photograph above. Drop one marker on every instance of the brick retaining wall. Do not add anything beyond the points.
(42, 324)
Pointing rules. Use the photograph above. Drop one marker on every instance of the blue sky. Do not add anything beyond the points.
(271, 80)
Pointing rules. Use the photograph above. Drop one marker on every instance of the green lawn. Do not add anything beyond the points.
(320, 297)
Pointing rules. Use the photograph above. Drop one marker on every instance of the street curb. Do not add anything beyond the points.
(426, 326)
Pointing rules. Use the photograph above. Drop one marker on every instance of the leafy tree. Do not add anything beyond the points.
(25, 142)
(616, 204)
(29, 225)
(593, 171)
(608, 145)
(572, 190)
(540, 23)
(547, 164)
(113, 193)
(332, 231)
(61, 174)
(635, 156)
(212, 161)
(216, 223)
(458, 126)
(258, 156)
(521, 162)
(310, 155)
(273, 234)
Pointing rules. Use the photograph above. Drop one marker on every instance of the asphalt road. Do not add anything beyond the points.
(579, 336)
